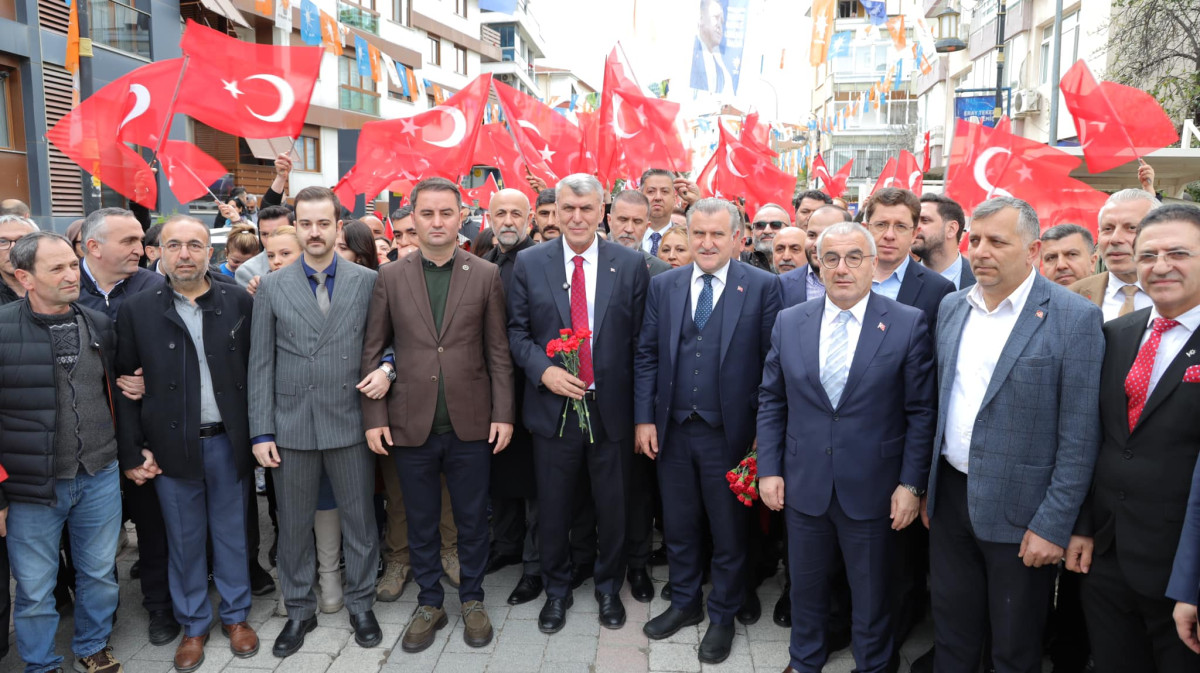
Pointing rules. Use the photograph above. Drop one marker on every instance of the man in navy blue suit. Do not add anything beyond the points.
(804, 284)
(706, 332)
(579, 281)
(892, 216)
(845, 430)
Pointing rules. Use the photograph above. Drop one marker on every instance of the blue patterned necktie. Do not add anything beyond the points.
(655, 239)
(833, 374)
(704, 305)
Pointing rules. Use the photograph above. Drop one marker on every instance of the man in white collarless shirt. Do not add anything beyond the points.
(1119, 220)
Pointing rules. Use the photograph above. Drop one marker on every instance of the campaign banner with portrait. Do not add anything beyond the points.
(717, 47)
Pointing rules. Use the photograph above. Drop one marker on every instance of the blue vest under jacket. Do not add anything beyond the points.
(698, 368)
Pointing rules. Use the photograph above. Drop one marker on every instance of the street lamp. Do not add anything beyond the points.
(947, 21)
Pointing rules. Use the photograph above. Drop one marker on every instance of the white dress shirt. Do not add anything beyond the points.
(1170, 343)
(718, 285)
(647, 243)
(853, 328)
(1114, 298)
(712, 63)
(590, 258)
(983, 338)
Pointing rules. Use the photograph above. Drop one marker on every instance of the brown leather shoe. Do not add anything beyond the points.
(190, 653)
(243, 641)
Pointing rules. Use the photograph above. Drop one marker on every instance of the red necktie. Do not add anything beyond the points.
(579, 320)
(1137, 384)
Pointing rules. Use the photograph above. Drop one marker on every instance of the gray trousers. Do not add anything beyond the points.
(351, 471)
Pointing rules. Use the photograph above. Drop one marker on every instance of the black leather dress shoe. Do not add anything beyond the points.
(291, 638)
(580, 574)
(612, 612)
(666, 591)
(668, 623)
(366, 629)
(751, 609)
(836, 641)
(783, 611)
(261, 582)
(717, 642)
(658, 557)
(923, 663)
(640, 585)
(498, 561)
(163, 627)
(529, 588)
(554, 614)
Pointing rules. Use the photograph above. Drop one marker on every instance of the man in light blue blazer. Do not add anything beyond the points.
(1019, 372)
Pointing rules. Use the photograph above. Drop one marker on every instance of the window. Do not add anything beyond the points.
(6, 134)
(308, 148)
(400, 11)
(355, 94)
(460, 8)
(120, 26)
(460, 60)
(1070, 41)
(360, 14)
(435, 51)
(847, 9)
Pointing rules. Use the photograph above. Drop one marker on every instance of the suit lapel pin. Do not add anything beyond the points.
(566, 286)
(613, 269)
(882, 327)
(1040, 314)
(466, 268)
(740, 289)
(1191, 353)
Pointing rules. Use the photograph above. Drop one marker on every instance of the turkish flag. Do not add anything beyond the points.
(438, 142)
(756, 136)
(544, 137)
(1114, 134)
(481, 196)
(887, 177)
(248, 90)
(189, 170)
(584, 160)
(926, 158)
(636, 131)
(908, 173)
(736, 170)
(495, 147)
(837, 186)
(130, 109)
(821, 171)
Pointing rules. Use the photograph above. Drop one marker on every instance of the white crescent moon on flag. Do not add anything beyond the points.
(616, 120)
(460, 127)
(526, 125)
(729, 164)
(980, 171)
(287, 98)
(912, 179)
(141, 103)
(711, 176)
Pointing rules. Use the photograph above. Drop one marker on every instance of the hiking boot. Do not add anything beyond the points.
(100, 662)
(391, 585)
(477, 628)
(422, 628)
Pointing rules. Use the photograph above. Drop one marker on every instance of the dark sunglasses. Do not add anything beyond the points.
(774, 224)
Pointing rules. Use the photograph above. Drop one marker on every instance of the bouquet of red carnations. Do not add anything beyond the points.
(567, 346)
(743, 479)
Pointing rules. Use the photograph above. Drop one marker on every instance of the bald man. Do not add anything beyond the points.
(513, 488)
(14, 207)
(375, 224)
(788, 252)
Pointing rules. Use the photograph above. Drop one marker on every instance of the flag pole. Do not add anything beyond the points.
(197, 179)
(166, 127)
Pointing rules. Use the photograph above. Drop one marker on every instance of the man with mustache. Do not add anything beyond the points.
(190, 438)
(1068, 253)
(1117, 291)
(766, 224)
(513, 487)
(939, 231)
(544, 215)
(789, 251)
(804, 283)
(628, 222)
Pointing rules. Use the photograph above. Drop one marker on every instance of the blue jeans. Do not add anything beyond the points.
(91, 506)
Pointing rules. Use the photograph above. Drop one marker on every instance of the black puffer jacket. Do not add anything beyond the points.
(27, 398)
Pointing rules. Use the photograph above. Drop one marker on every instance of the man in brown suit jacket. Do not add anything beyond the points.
(1117, 291)
(442, 310)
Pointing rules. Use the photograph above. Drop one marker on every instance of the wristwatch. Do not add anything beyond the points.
(913, 489)
(389, 370)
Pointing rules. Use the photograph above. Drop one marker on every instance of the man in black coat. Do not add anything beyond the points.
(190, 435)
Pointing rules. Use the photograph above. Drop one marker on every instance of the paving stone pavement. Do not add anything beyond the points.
(518, 647)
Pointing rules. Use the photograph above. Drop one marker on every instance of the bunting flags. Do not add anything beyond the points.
(823, 12)
(331, 34)
(376, 59)
(310, 23)
(72, 59)
(283, 16)
(876, 11)
(361, 57)
(895, 26)
(265, 7)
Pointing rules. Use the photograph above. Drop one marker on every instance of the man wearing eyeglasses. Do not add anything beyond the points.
(891, 215)
(190, 436)
(767, 222)
(12, 228)
(845, 429)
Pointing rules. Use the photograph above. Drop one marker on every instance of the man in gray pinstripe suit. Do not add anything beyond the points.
(1019, 373)
(305, 415)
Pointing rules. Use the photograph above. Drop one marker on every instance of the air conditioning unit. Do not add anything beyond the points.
(1025, 102)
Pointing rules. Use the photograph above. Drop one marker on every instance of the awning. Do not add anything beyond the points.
(226, 9)
(269, 148)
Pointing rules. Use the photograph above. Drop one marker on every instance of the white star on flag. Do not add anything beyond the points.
(232, 88)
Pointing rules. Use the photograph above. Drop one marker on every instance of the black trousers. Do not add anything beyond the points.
(1131, 632)
(142, 506)
(643, 496)
(560, 462)
(975, 582)
(514, 531)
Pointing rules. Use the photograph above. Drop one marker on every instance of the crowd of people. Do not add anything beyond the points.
(998, 438)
